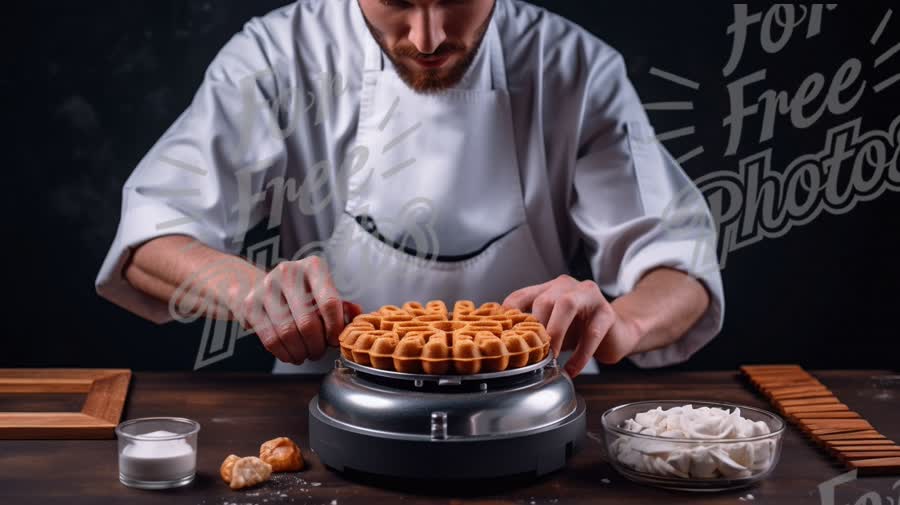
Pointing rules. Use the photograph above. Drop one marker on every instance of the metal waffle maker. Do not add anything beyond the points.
(521, 421)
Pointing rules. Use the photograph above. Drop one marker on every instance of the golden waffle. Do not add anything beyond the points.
(429, 339)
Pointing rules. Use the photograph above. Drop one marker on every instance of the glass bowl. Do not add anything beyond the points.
(691, 464)
(157, 452)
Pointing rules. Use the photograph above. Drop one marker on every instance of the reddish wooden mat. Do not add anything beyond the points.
(813, 408)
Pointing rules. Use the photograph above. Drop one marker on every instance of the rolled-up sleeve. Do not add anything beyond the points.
(198, 179)
(637, 210)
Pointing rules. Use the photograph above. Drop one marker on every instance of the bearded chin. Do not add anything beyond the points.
(428, 81)
(432, 80)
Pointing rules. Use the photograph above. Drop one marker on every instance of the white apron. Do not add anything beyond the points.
(451, 224)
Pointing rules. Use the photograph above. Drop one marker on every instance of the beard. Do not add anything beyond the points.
(431, 80)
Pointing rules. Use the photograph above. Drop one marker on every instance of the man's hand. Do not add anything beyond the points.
(576, 313)
(660, 309)
(295, 310)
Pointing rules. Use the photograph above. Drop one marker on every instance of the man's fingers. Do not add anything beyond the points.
(584, 350)
(285, 327)
(303, 313)
(542, 307)
(566, 307)
(523, 298)
(597, 329)
(351, 310)
(326, 296)
(578, 302)
(313, 333)
(253, 317)
(260, 324)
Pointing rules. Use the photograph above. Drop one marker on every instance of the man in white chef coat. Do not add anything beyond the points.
(418, 150)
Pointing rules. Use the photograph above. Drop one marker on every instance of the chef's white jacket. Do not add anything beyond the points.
(282, 96)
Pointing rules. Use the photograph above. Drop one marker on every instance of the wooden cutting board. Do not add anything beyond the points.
(105, 392)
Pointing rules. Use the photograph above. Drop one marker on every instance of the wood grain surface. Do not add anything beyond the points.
(239, 411)
(823, 419)
(105, 391)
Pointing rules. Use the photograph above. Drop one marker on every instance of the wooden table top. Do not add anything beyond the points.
(239, 411)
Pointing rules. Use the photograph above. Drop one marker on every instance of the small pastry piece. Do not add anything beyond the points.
(388, 322)
(495, 357)
(283, 454)
(538, 328)
(357, 324)
(462, 307)
(404, 327)
(407, 358)
(495, 327)
(390, 309)
(349, 337)
(435, 354)
(534, 342)
(503, 319)
(414, 308)
(488, 309)
(381, 355)
(430, 317)
(373, 318)
(517, 347)
(249, 471)
(437, 307)
(448, 326)
(227, 465)
(467, 358)
(517, 316)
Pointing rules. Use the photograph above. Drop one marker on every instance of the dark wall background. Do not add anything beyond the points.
(91, 86)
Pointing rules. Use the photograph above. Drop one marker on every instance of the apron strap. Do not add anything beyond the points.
(495, 51)
(374, 61)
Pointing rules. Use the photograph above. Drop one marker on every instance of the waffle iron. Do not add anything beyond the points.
(526, 420)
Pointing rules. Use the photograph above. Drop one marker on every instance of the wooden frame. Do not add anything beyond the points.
(105, 389)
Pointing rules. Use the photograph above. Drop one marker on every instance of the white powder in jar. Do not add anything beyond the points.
(158, 460)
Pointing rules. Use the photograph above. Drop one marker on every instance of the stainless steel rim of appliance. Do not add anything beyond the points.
(446, 379)
(507, 405)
